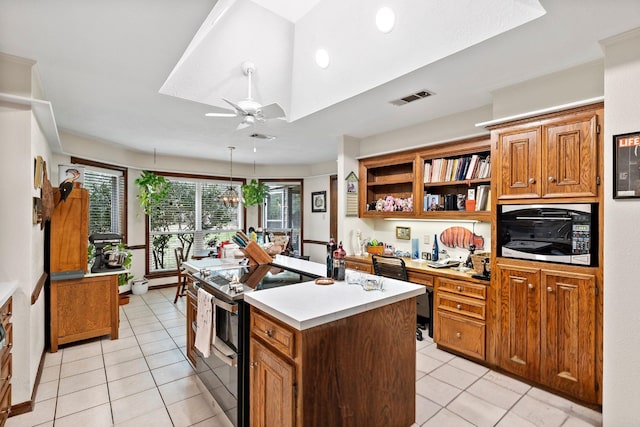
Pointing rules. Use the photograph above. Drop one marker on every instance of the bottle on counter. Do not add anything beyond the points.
(331, 247)
(339, 262)
(435, 250)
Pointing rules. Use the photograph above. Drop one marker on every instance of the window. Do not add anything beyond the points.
(107, 197)
(193, 218)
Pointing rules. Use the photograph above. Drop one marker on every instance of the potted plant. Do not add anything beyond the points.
(254, 192)
(153, 190)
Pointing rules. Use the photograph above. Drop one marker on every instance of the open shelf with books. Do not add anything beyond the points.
(457, 182)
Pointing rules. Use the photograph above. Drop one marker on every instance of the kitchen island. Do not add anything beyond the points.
(332, 354)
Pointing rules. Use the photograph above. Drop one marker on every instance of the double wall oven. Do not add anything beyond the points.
(225, 372)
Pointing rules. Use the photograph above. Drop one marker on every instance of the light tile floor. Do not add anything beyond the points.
(143, 378)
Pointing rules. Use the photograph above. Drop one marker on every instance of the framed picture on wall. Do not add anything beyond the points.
(626, 171)
(319, 201)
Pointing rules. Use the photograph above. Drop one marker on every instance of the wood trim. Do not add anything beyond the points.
(315, 242)
(125, 175)
(35, 294)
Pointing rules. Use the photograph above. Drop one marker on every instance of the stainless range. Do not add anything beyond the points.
(225, 371)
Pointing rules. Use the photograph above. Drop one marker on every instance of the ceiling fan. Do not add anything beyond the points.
(249, 109)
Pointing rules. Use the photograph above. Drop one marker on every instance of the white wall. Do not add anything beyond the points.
(316, 224)
(22, 243)
(622, 242)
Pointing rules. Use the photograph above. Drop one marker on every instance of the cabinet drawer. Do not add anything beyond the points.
(421, 278)
(5, 402)
(359, 266)
(460, 305)
(461, 334)
(274, 333)
(5, 312)
(466, 289)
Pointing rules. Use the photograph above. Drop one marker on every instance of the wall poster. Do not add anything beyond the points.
(626, 178)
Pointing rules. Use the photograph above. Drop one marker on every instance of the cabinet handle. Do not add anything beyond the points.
(7, 378)
(253, 364)
(551, 179)
(268, 332)
(532, 180)
(549, 289)
(530, 285)
(458, 335)
(459, 288)
(459, 306)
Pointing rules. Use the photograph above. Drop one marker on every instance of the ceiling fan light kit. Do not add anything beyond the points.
(250, 110)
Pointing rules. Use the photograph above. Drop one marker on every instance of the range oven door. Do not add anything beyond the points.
(225, 345)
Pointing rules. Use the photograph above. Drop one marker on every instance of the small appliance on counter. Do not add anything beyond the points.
(108, 260)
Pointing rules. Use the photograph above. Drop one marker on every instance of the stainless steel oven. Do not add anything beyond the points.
(563, 233)
(225, 371)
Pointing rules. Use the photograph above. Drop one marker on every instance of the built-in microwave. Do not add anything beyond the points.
(564, 233)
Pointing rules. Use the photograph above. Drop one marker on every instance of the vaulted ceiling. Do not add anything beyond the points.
(143, 73)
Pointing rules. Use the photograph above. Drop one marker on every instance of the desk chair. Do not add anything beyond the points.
(394, 268)
(182, 275)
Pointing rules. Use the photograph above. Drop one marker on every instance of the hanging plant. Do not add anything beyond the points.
(254, 192)
(153, 190)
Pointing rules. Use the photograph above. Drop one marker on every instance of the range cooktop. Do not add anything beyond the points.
(231, 284)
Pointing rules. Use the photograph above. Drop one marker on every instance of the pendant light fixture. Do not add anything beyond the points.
(230, 196)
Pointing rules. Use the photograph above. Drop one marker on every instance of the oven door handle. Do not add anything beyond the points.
(540, 218)
(230, 307)
(230, 359)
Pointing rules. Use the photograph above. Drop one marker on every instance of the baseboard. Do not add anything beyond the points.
(29, 405)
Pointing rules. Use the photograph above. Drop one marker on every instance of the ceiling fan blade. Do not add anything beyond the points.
(221, 115)
(236, 106)
(271, 111)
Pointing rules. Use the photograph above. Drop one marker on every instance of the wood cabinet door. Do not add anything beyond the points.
(520, 320)
(70, 232)
(568, 354)
(271, 386)
(570, 157)
(519, 170)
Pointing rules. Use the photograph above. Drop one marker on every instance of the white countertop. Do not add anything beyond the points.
(6, 290)
(306, 305)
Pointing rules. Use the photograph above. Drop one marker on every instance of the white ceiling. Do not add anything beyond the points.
(103, 65)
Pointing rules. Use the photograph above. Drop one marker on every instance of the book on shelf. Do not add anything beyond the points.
(472, 166)
(483, 201)
(427, 172)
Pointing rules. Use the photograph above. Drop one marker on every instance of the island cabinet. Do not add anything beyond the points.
(6, 360)
(548, 326)
(358, 370)
(553, 156)
(83, 308)
(460, 316)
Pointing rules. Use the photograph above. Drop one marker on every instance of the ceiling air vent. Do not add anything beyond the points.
(410, 98)
(262, 136)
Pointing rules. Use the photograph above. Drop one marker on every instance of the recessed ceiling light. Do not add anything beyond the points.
(385, 19)
(322, 58)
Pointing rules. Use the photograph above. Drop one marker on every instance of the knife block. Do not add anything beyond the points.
(256, 254)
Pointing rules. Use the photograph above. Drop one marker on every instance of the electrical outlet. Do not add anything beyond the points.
(426, 239)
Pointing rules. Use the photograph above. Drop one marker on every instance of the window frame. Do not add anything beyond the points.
(147, 249)
(262, 216)
(124, 170)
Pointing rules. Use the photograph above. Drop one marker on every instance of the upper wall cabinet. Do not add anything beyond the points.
(430, 177)
(555, 156)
